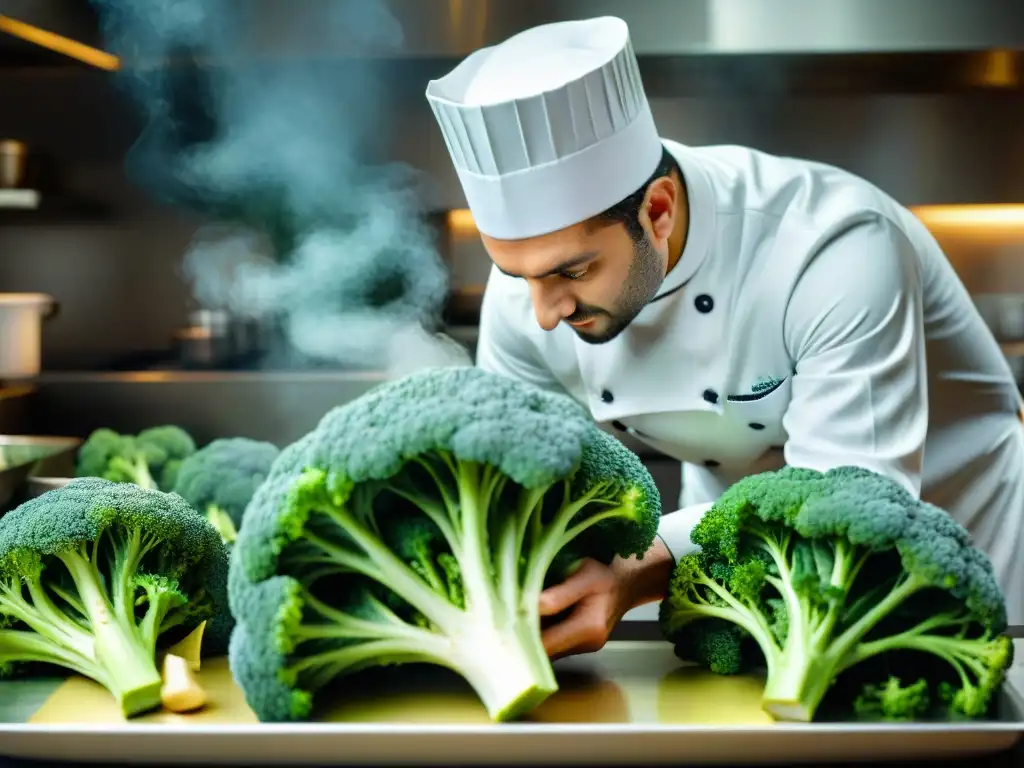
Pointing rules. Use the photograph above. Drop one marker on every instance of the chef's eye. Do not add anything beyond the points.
(574, 274)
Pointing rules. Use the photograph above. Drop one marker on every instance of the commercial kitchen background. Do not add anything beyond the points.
(923, 97)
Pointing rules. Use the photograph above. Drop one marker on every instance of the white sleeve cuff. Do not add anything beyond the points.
(674, 529)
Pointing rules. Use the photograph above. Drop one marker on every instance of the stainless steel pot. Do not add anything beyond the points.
(13, 159)
(216, 339)
(22, 456)
(21, 333)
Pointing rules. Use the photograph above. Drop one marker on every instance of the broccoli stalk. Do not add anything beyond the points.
(420, 523)
(817, 546)
(131, 467)
(150, 459)
(81, 587)
(166, 447)
(95, 633)
(490, 634)
(804, 663)
(218, 517)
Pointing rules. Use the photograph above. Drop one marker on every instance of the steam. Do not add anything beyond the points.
(247, 122)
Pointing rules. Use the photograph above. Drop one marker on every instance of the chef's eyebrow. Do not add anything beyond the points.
(559, 268)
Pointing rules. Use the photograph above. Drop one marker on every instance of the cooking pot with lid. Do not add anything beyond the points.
(21, 333)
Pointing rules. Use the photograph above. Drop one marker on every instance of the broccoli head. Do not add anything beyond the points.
(96, 576)
(165, 448)
(221, 478)
(420, 523)
(828, 571)
(150, 459)
(112, 456)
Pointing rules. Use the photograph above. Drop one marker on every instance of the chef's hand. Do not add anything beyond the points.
(599, 596)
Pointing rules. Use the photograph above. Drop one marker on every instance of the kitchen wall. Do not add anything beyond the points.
(117, 275)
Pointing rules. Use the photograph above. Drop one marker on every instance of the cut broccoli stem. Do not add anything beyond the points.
(491, 635)
(513, 675)
(493, 644)
(804, 664)
(496, 664)
(131, 676)
(501, 621)
(809, 661)
(504, 665)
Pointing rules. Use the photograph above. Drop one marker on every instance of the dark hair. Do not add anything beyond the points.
(627, 210)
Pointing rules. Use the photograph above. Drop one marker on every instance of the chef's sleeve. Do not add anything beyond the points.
(854, 327)
(674, 529)
(502, 345)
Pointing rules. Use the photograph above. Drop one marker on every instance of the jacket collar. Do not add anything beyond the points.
(701, 225)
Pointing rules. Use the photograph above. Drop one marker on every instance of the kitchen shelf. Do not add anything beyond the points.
(56, 209)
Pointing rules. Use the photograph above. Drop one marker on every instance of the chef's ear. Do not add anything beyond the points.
(660, 208)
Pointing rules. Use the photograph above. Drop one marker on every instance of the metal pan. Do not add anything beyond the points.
(632, 703)
(22, 456)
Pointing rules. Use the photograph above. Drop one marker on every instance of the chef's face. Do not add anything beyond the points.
(596, 276)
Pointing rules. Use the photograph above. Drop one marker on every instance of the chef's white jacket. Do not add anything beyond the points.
(811, 320)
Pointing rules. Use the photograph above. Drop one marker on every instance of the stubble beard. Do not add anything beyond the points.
(642, 282)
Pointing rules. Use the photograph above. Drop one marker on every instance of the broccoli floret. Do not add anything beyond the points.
(150, 459)
(165, 448)
(112, 456)
(825, 571)
(893, 700)
(96, 576)
(419, 523)
(221, 478)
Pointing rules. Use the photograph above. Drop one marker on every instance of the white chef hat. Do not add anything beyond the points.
(548, 128)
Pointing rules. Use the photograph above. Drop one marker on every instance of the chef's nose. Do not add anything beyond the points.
(551, 304)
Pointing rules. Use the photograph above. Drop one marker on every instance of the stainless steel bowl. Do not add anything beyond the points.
(24, 456)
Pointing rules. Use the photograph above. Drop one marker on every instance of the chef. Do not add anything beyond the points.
(731, 309)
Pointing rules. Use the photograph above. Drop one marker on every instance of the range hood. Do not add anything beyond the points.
(46, 33)
(688, 27)
(453, 28)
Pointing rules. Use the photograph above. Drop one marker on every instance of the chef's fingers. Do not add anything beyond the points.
(585, 630)
(586, 579)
